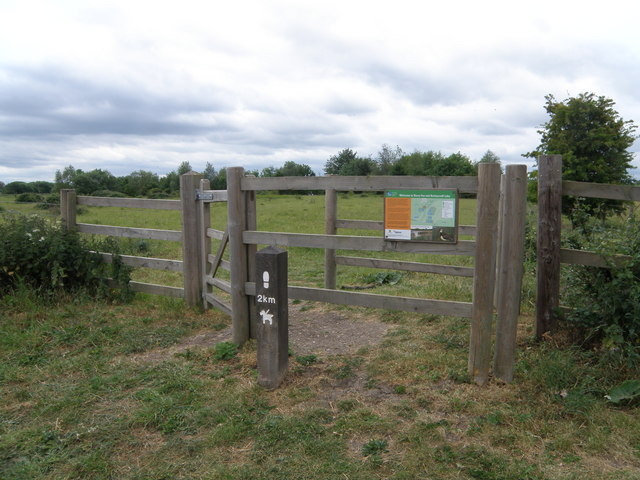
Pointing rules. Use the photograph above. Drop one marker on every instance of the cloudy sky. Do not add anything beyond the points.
(125, 85)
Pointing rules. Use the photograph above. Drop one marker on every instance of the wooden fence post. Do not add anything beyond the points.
(549, 229)
(252, 224)
(204, 213)
(511, 258)
(498, 288)
(68, 208)
(191, 241)
(485, 271)
(236, 225)
(330, 215)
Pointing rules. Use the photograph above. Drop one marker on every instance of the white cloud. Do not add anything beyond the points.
(129, 85)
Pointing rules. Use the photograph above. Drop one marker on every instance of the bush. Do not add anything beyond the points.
(43, 255)
(50, 201)
(29, 198)
(606, 301)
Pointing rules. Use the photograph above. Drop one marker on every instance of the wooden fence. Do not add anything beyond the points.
(497, 249)
(243, 239)
(551, 189)
(190, 266)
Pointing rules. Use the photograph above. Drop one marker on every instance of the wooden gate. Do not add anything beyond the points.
(497, 249)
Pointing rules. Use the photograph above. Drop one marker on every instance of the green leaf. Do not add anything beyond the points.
(627, 390)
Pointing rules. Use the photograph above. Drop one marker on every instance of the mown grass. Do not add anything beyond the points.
(106, 391)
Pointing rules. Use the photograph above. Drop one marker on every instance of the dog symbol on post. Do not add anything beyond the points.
(266, 317)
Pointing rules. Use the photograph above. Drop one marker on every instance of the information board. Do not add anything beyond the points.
(421, 215)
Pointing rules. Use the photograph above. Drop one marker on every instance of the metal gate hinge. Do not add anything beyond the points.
(204, 195)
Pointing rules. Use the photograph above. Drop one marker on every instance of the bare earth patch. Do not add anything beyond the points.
(313, 329)
(321, 331)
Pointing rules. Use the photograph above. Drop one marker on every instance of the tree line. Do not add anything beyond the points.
(142, 183)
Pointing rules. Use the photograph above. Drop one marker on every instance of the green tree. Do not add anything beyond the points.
(593, 140)
(455, 165)
(336, 163)
(184, 167)
(170, 183)
(40, 186)
(268, 172)
(386, 158)
(359, 167)
(65, 178)
(86, 183)
(293, 169)
(209, 172)
(416, 163)
(220, 181)
(15, 188)
(489, 157)
(140, 182)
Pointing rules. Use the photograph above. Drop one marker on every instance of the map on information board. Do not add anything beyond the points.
(421, 215)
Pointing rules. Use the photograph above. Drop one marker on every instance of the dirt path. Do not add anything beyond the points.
(313, 329)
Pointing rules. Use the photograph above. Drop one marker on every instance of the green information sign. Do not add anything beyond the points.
(421, 215)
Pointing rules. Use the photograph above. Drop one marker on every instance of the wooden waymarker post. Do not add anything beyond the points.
(272, 330)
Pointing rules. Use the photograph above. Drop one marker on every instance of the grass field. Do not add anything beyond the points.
(110, 391)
